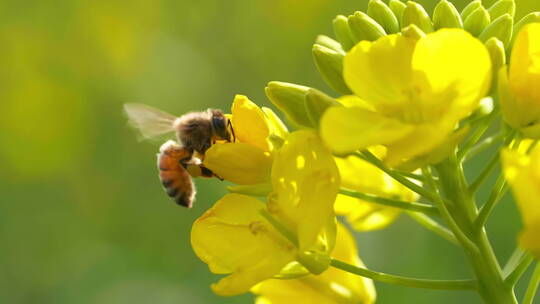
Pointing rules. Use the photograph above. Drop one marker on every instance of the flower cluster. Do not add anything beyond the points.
(416, 95)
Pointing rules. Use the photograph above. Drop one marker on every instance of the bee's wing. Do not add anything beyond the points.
(151, 122)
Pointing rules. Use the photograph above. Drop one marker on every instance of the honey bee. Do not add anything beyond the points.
(179, 161)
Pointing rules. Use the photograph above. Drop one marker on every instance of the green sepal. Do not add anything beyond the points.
(529, 18)
(413, 31)
(397, 8)
(477, 21)
(502, 7)
(415, 14)
(363, 27)
(343, 32)
(501, 28)
(289, 99)
(260, 190)
(471, 7)
(329, 43)
(330, 65)
(446, 15)
(381, 13)
(497, 54)
(316, 104)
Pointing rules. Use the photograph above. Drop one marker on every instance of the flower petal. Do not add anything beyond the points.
(523, 175)
(232, 237)
(240, 163)
(250, 123)
(333, 286)
(305, 180)
(346, 130)
(524, 74)
(452, 73)
(357, 174)
(380, 72)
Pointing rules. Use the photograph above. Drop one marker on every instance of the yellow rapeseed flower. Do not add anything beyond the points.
(305, 182)
(414, 92)
(248, 160)
(233, 238)
(331, 287)
(523, 174)
(519, 85)
(359, 175)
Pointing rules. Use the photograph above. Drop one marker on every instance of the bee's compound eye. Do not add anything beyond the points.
(219, 126)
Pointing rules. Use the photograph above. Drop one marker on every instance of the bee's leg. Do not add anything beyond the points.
(205, 172)
(229, 124)
(184, 162)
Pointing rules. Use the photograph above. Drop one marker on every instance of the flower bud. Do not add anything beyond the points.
(502, 7)
(497, 54)
(330, 66)
(412, 31)
(329, 43)
(381, 13)
(316, 103)
(364, 27)
(501, 28)
(343, 32)
(289, 99)
(529, 18)
(446, 15)
(476, 21)
(471, 7)
(397, 8)
(415, 13)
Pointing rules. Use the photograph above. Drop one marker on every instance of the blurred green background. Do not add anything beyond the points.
(83, 218)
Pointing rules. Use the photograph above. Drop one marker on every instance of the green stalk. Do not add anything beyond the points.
(404, 281)
(374, 160)
(533, 285)
(411, 206)
(491, 284)
(433, 226)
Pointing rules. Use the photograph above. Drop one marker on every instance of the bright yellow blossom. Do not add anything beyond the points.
(357, 174)
(233, 238)
(519, 85)
(416, 92)
(523, 173)
(248, 160)
(331, 287)
(305, 183)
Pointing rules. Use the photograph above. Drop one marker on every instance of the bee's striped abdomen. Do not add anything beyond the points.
(174, 177)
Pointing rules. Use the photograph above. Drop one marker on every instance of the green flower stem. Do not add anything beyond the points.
(485, 173)
(483, 145)
(415, 176)
(483, 126)
(519, 270)
(512, 262)
(491, 285)
(419, 207)
(404, 281)
(533, 285)
(445, 213)
(374, 160)
(433, 226)
(499, 189)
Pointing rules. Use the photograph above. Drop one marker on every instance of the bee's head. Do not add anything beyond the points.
(220, 124)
